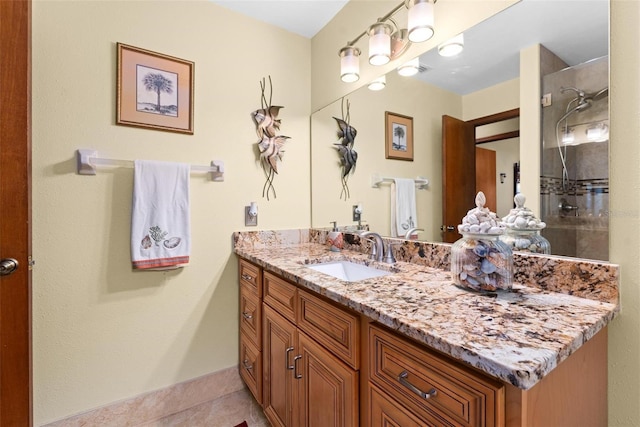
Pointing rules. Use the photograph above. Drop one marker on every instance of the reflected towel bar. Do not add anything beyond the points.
(88, 159)
(377, 179)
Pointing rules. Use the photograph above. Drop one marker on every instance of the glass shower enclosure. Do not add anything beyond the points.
(574, 182)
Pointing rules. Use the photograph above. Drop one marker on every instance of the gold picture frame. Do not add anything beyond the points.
(154, 91)
(399, 136)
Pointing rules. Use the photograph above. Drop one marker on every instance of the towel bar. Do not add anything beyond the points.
(376, 179)
(88, 159)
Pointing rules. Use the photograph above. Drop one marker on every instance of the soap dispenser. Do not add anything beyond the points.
(334, 239)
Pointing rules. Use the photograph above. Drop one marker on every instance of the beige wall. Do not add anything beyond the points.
(624, 98)
(102, 333)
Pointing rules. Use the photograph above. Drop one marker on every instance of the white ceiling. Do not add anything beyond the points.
(575, 30)
(303, 17)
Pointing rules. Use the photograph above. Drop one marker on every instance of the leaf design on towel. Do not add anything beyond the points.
(172, 243)
(146, 242)
(408, 224)
(157, 234)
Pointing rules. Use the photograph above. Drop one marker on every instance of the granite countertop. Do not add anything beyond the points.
(517, 337)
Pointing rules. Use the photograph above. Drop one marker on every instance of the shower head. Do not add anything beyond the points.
(578, 92)
(596, 96)
(583, 105)
(580, 107)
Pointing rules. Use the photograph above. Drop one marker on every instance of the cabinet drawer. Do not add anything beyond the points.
(250, 315)
(280, 295)
(336, 329)
(384, 411)
(462, 396)
(251, 275)
(251, 367)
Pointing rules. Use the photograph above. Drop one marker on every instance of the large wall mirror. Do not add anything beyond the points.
(574, 79)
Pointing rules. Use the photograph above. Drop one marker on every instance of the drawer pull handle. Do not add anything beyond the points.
(247, 365)
(247, 315)
(296, 375)
(286, 358)
(247, 277)
(403, 380)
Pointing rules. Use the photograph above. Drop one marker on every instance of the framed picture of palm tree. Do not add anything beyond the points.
(399, 136)
(154, 90)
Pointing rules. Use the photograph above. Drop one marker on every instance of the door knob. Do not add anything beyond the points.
(447, 228)
(8, 266)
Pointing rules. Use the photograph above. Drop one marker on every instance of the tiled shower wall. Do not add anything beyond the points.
(583, 232)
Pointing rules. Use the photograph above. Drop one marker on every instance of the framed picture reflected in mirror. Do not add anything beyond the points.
(398, 136)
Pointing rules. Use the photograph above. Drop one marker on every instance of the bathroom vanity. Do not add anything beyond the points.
(409, 348)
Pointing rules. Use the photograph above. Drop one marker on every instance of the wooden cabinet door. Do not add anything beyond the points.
(278, 342)
(327, 389)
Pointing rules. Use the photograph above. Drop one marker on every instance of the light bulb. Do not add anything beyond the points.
(349, 64)
(420, 20)
(409, 68)
(452, 47)
(378, 84)
(568, 137)
(379, 43)
(598, 133)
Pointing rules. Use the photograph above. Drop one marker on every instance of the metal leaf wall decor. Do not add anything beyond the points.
(348, 156)
(269, 143)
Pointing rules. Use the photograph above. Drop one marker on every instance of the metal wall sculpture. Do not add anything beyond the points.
(348, 156)
(269, 143)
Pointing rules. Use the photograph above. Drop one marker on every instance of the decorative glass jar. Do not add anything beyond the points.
(526, 241)
(482, 263)
(523, 229)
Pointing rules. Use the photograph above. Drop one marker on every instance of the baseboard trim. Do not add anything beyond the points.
(160, 403)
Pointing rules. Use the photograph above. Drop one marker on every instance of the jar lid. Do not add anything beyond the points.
(481, 220)
(521, 218)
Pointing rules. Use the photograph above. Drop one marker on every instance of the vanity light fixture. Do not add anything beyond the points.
(452, 47)
(410, 68)
(420, 20)
(379, 43)
(568, 137)
(349, 64)
(387, 41)
(583, 133)
(378, 84)
(598, 132)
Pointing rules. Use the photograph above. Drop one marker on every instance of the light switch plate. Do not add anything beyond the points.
(356, 215)
(249, 221)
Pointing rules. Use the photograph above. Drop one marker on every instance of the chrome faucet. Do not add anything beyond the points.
(377, 247)
(378, 252)
(408, 234)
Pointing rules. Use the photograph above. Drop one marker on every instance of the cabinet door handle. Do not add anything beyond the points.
(246, 315)
(247, 365)
(402, 378)
(247, 277)
(296, 375)
(286, 358)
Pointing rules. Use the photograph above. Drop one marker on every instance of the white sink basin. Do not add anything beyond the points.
(348, 271)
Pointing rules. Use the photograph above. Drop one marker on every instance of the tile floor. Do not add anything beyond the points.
(227, 411)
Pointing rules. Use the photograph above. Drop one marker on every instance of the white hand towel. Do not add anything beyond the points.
(160, 220)
(403, 206)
